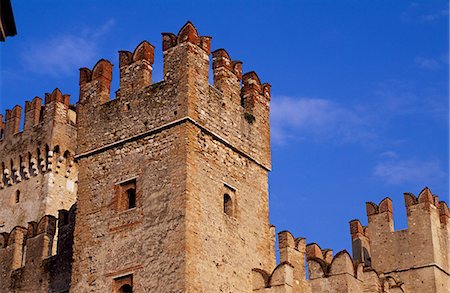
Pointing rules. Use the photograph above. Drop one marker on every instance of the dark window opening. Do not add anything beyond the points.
(131, 196)
(12, 170)
(3, 175)
(228, 205)
(127, 197)
(21, 170)
(17, 196)
(126, 289)
(40, 160)
(46, 156)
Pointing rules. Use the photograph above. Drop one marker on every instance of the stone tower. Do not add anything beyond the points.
(38, 174)
(38, 181)
(173, 192)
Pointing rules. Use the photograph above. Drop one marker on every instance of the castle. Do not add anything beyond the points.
(165, 189)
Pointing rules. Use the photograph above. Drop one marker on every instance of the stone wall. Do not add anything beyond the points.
(223, 248)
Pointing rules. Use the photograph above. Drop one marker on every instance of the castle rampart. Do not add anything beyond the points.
(231, 114)
(384, 260)
(326, 273)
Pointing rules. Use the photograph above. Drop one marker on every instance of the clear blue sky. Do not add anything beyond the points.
(359, 89)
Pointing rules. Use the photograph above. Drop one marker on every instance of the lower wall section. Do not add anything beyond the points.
(26, 261)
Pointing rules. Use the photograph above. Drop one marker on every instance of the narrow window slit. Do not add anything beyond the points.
(228, 208)
(17, 196)
(131, 196)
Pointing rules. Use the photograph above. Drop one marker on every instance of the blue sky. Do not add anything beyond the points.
(359, 89)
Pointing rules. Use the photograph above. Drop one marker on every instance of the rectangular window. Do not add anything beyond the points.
(127, 197)
(229, 200)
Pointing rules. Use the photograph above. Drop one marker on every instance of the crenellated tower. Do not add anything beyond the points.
(38, 173)
(418, 255)
(173, 193)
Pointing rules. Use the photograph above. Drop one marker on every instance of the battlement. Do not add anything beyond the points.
(313, 250)
(26, 253)
(41, 160)
(56, 108)
(425, 199)
(173, 192)
(227, 73)
(136, 67)
(360, 243)
(188, 33)
(47, 129)
(29, 245)
(342, 273)
(326, 273)
(289, 275)
(396, 252)
(281, 278)
(382, 256)
(419, 206)
(322, 263)
(320, 267)
(358, 230)
(239, 100)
